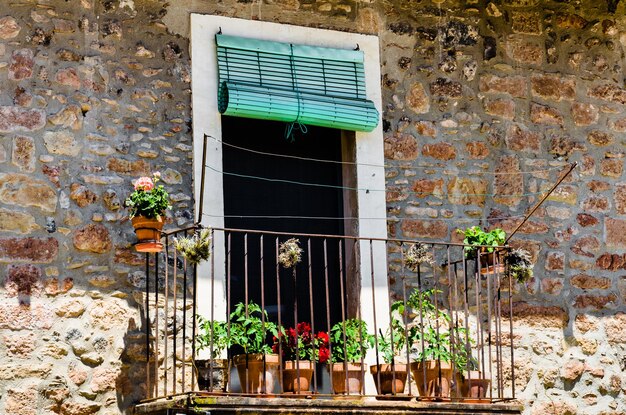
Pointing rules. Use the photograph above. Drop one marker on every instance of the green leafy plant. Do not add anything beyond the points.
(357, 341)
(290, 253)
(196, 248)
(433, 330)
(519, 264)
(212, 332)
(148, 199)
(463, 358)
(248, 330)
(475, 236)
(392, 341)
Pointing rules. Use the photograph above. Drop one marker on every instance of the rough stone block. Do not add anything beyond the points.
(519, 138)
(584, 114)
(516, 86)
(539, 316)
(553, 87)
(428, 187)
(415, 228)
(467, 191)
(13, 119)
(543, 114)
(504, 108)
(34, 250)
(401, 147)
(439, 151)
(417, 99)
(92, 238)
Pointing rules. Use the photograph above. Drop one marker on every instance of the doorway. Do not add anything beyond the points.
(271, 184)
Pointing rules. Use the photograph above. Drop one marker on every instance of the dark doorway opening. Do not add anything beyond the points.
(264, 192)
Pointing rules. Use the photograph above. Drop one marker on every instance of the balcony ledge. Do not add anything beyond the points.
(238, 405)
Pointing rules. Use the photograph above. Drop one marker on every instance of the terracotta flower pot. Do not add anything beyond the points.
(353, 378)
(392, 378)
(297, 376)
(148, 231)
(433, 382)
(212, 378)
(256, 375)
(475, 385)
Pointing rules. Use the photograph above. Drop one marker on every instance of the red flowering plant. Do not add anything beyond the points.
(300, 343)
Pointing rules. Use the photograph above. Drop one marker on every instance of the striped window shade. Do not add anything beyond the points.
(293, 83)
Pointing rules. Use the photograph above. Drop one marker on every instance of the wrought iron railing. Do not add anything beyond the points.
(450, 310)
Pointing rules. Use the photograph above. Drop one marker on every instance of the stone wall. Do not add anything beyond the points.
(97, 93)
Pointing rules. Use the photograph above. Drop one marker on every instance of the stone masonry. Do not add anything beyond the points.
(97, 93)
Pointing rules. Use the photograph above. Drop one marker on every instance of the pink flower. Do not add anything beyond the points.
(144, 183)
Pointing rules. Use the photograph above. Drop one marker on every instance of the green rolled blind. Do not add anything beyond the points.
(293, 83)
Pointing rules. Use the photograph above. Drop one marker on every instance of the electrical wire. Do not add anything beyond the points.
(268, 179)
(392, 217)
(351, 163)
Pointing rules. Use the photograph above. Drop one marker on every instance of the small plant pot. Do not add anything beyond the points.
(148, 231)
(392, 378)
(433, 378)
(348, 382)
(297, 376)
(257, 375)
(212, 377)
(475, 385)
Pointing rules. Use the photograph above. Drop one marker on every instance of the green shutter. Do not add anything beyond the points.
(293, 83)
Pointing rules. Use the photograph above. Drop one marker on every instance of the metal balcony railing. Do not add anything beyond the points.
(452, 316)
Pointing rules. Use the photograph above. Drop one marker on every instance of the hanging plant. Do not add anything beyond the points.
(417, 254)
(519, 264)
(290, 253)
(196, 248)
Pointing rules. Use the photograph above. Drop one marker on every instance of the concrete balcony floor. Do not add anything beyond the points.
(238, 405)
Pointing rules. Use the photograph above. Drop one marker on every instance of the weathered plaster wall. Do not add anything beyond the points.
(96, 93)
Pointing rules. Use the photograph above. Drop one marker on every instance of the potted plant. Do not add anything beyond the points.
(475, 237)
(147, 205)
(257, 366)
(301, 349)
(349, 344)
(196, 248)
(432, 368)
(472, 383)
(519, 264)
(213, 372)
(390, 377)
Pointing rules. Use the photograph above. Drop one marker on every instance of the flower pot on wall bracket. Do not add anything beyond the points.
(490, 263)
(148, 231)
